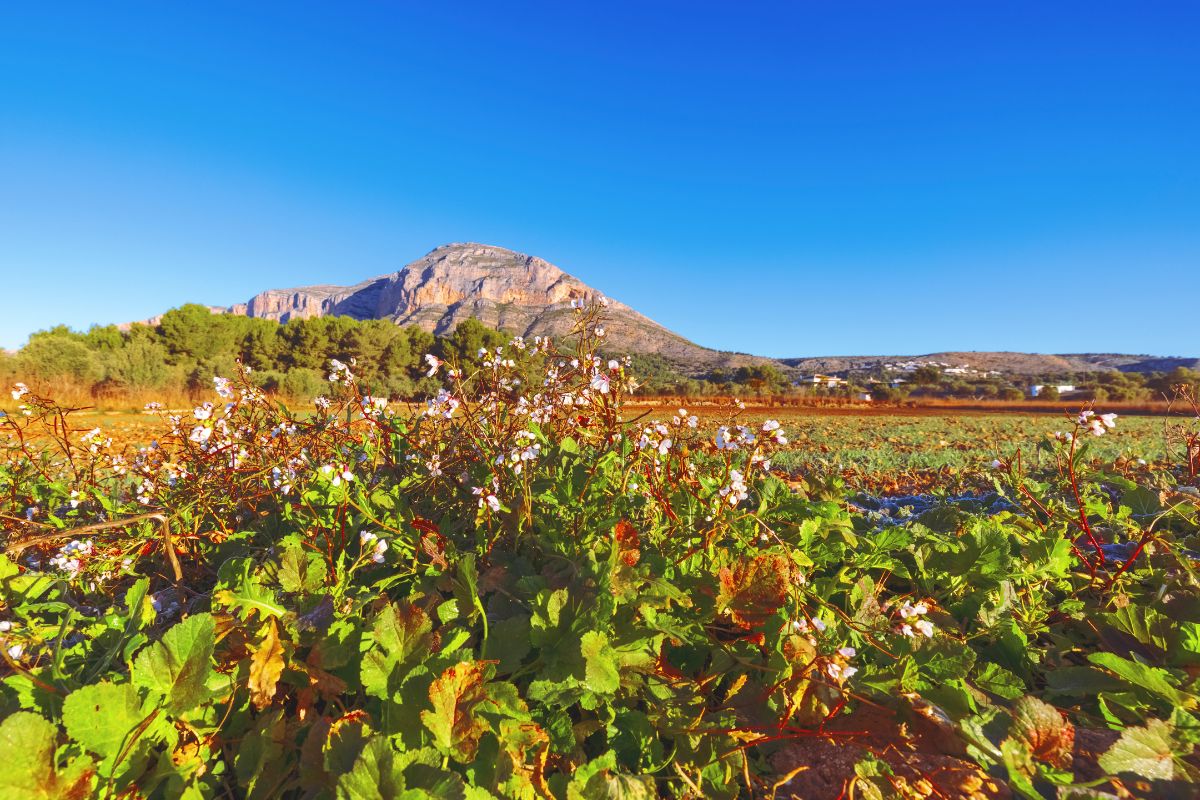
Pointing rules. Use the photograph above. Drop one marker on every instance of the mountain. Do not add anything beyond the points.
(503, 289)
(526, 295)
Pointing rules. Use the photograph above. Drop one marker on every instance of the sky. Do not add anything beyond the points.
(782, 178)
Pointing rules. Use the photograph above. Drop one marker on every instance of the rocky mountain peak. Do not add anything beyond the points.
(502, 288)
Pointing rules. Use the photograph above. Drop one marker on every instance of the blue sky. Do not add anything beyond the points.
(791, 178)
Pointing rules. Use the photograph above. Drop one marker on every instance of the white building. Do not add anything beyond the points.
(1037, 389)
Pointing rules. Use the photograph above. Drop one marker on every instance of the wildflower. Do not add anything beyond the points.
(997, 463)
(203, 412)
(15, 651)
(577, 303)
(340, 472)
(5, 626)
(913, 614)
(153, 405)
(339, 371)
(736, 491)
(222, 387)
(600, 383)
(19, 390)
(381, 547)
(600, 333)
(839, 672)
(200, 434)
(613, 364)
(818, 624)
(847, 652)
(434, 363)
(486, 498)
(1109, 420)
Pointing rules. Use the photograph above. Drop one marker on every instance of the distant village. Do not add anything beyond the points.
(883, 380)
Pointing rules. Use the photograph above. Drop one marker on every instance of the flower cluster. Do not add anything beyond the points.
(68, 558)
(912, 619)
(376, 545)
(1096, 424)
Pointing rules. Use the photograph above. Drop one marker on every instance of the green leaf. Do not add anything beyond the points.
(178, 667)
(1146, 751)
(102, 716)
(27, 745)
(376, 774)
(300, 570)
(1153, 679)
(401, 631)
(600, 663)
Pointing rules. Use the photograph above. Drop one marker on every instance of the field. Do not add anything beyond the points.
(873, 449)
(554, 594)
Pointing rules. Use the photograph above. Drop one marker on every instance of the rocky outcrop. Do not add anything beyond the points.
(503, 289)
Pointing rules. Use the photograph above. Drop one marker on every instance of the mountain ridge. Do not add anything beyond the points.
(527, 295)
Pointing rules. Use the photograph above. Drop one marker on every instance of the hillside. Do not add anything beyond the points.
(503, 289)
(527, 295)
(1005, 362)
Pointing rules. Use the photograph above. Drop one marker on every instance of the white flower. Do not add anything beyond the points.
(19, 390)
(600, 383)
(847, 652)
(221, 385)
(367, 538)
(15, 651)
(925, 627)
(5, 626)
(818, 624)
(200, 434)
(599, 332)
(997, 463)
(1109, 420)
(381, 547)
(613, 364)
(203, 412)
(434, 363)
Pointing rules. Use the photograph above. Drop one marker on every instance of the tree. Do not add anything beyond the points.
(53, 356)
(468, 339)
(192, 332)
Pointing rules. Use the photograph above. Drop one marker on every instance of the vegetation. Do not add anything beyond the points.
(516, 594)
(178, 357)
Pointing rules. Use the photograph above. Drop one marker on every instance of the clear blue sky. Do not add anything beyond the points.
(790, 178)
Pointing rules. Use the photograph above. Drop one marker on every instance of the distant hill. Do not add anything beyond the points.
(527, 295)
(1006, 362)
(503, 289)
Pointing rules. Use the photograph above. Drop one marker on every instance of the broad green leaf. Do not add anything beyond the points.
(401, 632)
(300, 570)
(103, 716)
(1146, 751)
(30, 771)
(1153, 679)
(600, 663)
(376, 774)
(178, 667)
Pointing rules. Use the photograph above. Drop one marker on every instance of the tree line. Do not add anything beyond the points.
(190, 345)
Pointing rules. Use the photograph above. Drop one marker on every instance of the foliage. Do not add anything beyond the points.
(518, 593)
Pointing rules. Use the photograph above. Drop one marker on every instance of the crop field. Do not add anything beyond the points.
(872, 450)
(548, 592)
